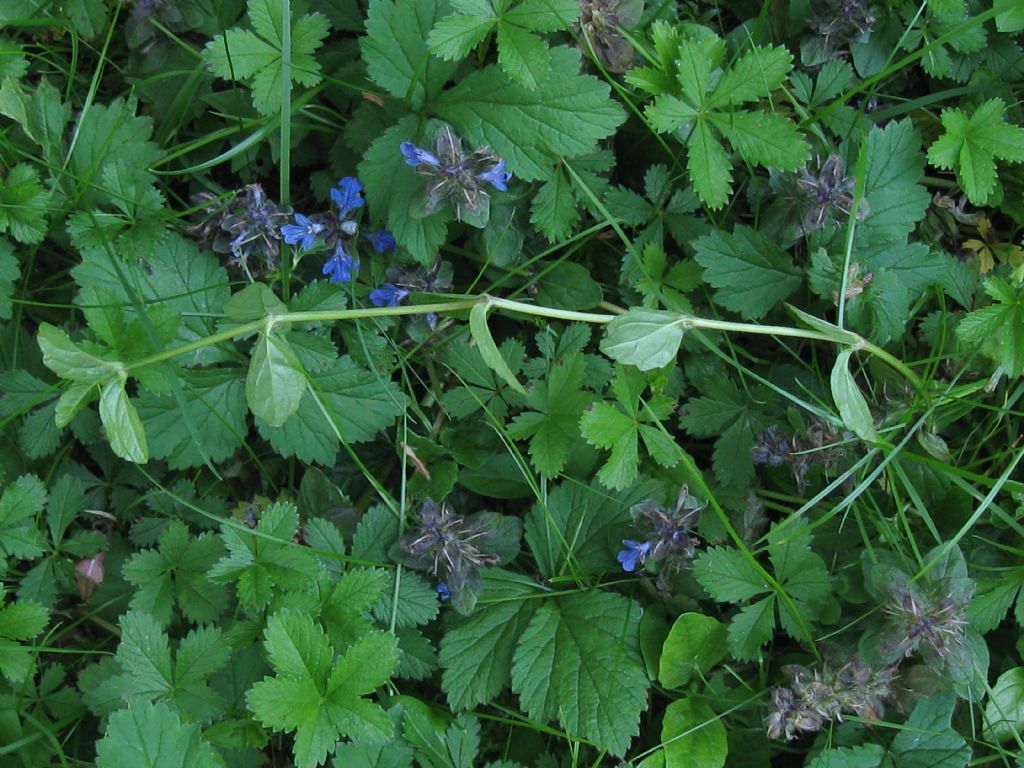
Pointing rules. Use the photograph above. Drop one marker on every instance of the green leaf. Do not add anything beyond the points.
(646, 338)
(695, 644)
(554, 210)
(22, 501)
(275, 384)
(763, 138)
(9, 273)
(214, 401)
(148, 736)
(1004, 712)
(317, 696)
(257, 56)
(477, 655)
(23, 204)
(19, 620)
(729, 575)
(578, 528)
(565, 115)
(345, 399)
(558, 402)
(999, 327)
(524, 56)
(147, 673)
(971, 145)
(175, 573)
(693, 736)
(395, 50)
(562, 663)
(749, 272)
(620, 428)
(751, 627)
(708, 166)
(266, 558)
(849, 399)
(456, 35)
(927, 739)
(895, 198)
(121, 423)
(757, 72)
(488, 349)
(545, 15)
(1010, 16)
(69, 361)
(861, 756)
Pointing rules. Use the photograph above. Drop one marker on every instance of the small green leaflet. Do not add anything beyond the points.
(693, 735)
(579, 661)
(558, 402)
(523, 55)
(971, 145)
(121, 422)
(396, 55)
(148, 673)
(565, 115)
(928, 740)
(999, 327)
(895, 197)
(70, 361)
(749, 272)
(850, 400)
(646, 338)
(9, 272)
(19, 620)
(175, 573)
(266, 558)
(318, 695)
(256, 56)
(148, 736)
(861, 756)
(23, 204)
(275, 383)
(21, 502)
(724, 413)
(620, 427)
(488, 349)
(705, 110)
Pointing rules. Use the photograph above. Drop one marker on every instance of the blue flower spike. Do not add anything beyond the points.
(634, 554)
(341, 267)
(497, 177)
(415, 156)
(303, 232)
(347, 196)
(387, 295)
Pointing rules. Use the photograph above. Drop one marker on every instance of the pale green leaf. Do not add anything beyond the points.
(274, 385)
(695, 643)
(121, 423)
(693, 736)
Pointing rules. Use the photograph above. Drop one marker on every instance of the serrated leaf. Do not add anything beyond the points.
(892, 191)
(456, 35)
(708, 165)
(396, 51)
(751, 627)
(9, 273)
(729, 575)
(999, 327)
(23, 204)
(148, 736)
(763, 138)
(524, 56)
(561, 668)
(565, 115)
(1004, 712)
(21, 502)
(861, 756)
(759, 71)
(750, 273)
(928, 740)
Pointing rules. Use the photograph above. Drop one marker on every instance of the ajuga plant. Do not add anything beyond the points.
(511, 383)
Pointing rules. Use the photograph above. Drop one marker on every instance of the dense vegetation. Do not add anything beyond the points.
(511, 383)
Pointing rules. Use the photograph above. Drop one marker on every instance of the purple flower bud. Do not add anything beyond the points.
(387, 295)
(497, 177)
(382, 242)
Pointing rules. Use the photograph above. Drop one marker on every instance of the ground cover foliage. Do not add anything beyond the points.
(511, 383)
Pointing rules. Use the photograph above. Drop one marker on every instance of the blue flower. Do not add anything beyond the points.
(634, 554)
(416, 156)
(442, 591)
(387, 295)
(304, 232)
(497, 177)
(382, 242)
(347, 195)
(341, 267)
